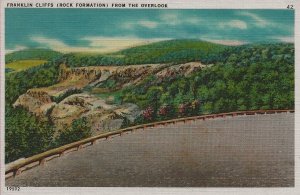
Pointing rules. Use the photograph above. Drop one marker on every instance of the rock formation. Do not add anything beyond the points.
(64, 102)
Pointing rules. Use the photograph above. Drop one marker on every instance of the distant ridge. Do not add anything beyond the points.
(31, 54)
(169, 51)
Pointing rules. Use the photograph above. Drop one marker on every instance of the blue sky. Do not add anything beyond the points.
(107, 30)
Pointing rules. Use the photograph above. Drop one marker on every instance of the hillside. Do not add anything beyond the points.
(175, 51)
(172, 51)
(77, 95)
(28, 58)
(248, 78)
(23, 64)
(31, 54)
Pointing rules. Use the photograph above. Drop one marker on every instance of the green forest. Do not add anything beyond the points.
(248, 77)
(173, 51)
(31, 54)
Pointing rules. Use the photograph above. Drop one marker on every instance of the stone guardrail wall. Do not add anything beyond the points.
(15, 168)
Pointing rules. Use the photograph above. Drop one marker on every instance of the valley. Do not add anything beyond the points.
(77, 95)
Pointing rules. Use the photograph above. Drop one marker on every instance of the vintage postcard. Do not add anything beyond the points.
(149, 97)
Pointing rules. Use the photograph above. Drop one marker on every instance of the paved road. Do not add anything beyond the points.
(241, 151)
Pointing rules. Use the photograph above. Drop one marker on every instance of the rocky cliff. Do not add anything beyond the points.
(65, 101)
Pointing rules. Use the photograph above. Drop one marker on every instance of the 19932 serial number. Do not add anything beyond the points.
(13, 188)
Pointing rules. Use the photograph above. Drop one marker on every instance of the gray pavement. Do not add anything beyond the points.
(241, 151)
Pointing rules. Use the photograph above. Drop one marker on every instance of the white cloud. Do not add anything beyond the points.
(234, 24)
(285, 39)
(170, 19)
(97, 44)
(256, 20)
(127, 25)
(143, 23)
(16, 48)
(51, 43)
(148, 24)
(110, 44)
(173, 19)
(194, 20)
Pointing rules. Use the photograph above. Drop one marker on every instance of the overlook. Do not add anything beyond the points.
(247, 150)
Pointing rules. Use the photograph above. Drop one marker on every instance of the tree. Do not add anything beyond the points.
(25, 135)
(79, 129)
(153, 96)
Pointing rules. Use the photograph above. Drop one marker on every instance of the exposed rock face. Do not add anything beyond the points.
(59, 104)
(101, 116)
(180, 69)
(63, 114)
(129, 111)
(126, 75)
(78, 73)
(37, 102)
(105, 74)
(107, 120)
(103, 120)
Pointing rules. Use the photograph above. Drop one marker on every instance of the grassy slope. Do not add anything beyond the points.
(31, 54)
(24, 64)
(163, 48)
(171, 51)
(174, 51)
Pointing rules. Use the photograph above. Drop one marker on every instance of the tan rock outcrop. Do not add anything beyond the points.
(37, 102)
(59, 104)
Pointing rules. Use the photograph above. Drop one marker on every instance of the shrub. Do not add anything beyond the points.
(80, 129)
(25, 135)
(148, 114)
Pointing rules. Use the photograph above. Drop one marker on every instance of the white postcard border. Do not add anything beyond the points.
(178, 4)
